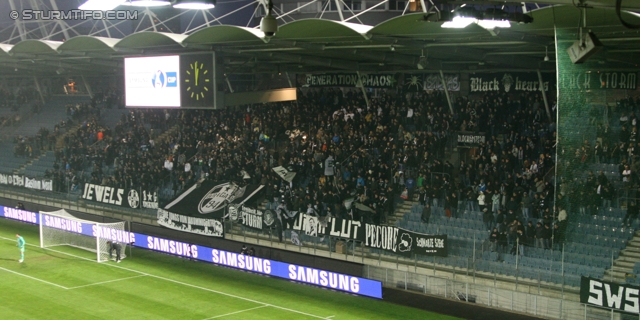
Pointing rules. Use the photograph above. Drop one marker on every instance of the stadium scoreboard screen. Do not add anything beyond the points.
(175, 81)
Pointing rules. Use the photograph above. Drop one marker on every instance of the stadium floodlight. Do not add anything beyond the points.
(60, 228)
(148, 3)
(194, 4)
(103, 5)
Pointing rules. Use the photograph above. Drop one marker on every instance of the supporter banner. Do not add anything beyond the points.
(129, 198)
(388, 238)
(510, 82)
(432, 82)
(622, 297)
(206, 226)
(423, 244)
(273, 268)
(26, 182)
(252, 218)
(589, 80)
(149, 199)
(348, 80)
(470, 139)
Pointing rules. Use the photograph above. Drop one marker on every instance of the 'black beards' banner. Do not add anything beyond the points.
(347, 80)
(510, 82)
(623, 297)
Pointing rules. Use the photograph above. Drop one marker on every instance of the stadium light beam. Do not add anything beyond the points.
(458, 23)
(148, 3)
(194, 4)
(103, 5)
(492, 24)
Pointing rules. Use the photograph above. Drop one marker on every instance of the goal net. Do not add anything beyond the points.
(60, 228)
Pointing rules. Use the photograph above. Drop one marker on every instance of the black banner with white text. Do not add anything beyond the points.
(471, 139)
(347, 80)
(129, 198)
(212, 227)
(511, 82)
(202, 208)
(19, 180)
(622, 297)
(387, 238)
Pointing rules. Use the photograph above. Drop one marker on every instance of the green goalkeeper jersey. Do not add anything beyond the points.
(21, 242)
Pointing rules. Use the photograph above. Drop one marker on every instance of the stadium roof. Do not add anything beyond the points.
(317, 45)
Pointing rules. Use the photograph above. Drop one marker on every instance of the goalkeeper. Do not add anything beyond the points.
(20, 246)
(114, 246)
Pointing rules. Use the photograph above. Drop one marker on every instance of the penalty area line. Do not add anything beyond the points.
(232, 313)
(183, 283)
(108, 281)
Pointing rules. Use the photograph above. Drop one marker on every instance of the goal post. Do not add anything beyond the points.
(61, 228)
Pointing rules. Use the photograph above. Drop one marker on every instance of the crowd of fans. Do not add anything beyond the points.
(398, 147)
(401, 146)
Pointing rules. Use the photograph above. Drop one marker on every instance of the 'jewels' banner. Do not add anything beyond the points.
(129, 198)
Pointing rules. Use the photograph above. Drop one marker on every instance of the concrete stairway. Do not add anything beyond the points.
(625, 262)
(400, 211)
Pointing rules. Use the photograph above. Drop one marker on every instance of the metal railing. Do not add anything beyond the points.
(546, 306)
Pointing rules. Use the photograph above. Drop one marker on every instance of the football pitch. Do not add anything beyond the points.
(67, 283)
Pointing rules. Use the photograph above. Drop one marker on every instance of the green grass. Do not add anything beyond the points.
(66, 283)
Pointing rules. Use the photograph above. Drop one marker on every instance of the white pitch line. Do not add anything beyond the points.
(232, 313)
(108, 281)
(184, 283)
(34, 278)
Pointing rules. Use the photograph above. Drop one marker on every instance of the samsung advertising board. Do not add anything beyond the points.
(152, 81)
(293, 272)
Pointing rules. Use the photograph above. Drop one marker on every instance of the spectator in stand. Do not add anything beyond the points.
(530, 234)
(493, 239)
(539, 237)
(482, 200)
(547, 235)
(487, 218)
(426, 213)
(631, 215)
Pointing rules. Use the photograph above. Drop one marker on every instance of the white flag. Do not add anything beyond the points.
(285, 174)
(295, 239)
